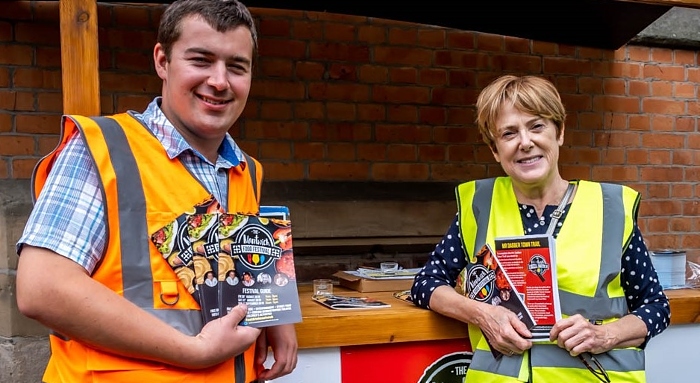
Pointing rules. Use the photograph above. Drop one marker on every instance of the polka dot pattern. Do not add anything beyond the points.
(645, 297)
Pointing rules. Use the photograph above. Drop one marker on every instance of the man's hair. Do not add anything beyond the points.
(222, 15)
(529, 94)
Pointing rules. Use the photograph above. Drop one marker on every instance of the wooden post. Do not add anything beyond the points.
(79, 57)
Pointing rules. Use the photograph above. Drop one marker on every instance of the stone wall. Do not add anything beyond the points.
(23, 342)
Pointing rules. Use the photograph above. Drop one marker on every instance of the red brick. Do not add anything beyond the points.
(639, 88)
(276, 68)
(616, 104)
(274, 27)
(286, 90)
(308, 151)
(342, 131)
(371, 152)
(338, 52)
(5, 122)
(519, 63)
(16, 54)
(432, 115)
(340, 32)
(403, 75)
(346, 72)
(36, 33)
(340, 151)
(20, 10)
(307, 30)
(401, 94)
(661, 55)
(402, 56)
(135, 39)
(291, 49)
(128, 61)
(685, 124)
(614, 87)
(566, 50)
(46, 144)
(17, 145)
(402, 113)
(432, 153)
(341, 111)
(403, 36)
(338, 91)
(688, 58)
(565, 65)
(659, 157)
(48, 57)
(517, 45)
(638, 53)
(461, 40)
(49, 102)
(5, 31)
(653, 105)
(590, 84)
(339, 171)
(282, 171)
(664, 72)
(663, 140)
(371, 112)
(428, 76)
(374, 74)
(614, 173)
(400, 171)
(276, 130)
(23, 168)
(639, 122)
(661, 174)
(432, 38)
(661, 89)
(126, 82)
(275, 150)
(273, 110)
(544, 48)
(460, 116)
(309, 111)
(372, 34)
(637, 157)
(402, 133)
(401, 153)
(682, 157)
(454, 96)
(490, 42)
(37, 123)
(306, 70)
(132, 16)
(337, 17)
(457, 172)
(591, 53)
(684, 90)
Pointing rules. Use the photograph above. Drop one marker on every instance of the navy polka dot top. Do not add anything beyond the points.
(645, 297)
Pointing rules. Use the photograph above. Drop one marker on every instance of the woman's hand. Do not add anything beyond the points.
(577, 335)
(505, 332)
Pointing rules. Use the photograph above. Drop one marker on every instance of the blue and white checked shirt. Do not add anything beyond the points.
(69, 215)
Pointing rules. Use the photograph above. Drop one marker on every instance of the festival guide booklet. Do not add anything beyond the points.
(225, 259)
(530, 263)
(484, 280)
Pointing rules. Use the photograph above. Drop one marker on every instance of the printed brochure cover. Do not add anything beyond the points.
(225, 259)
(340, 302)
(530, 263)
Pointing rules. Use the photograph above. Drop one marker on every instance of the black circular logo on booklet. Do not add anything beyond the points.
(255, 247)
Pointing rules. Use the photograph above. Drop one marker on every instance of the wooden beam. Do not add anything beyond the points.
(669, 3)
(79, 58)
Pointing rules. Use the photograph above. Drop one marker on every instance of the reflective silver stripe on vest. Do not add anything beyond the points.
(623, 360)
(481, 206)
(133, 232)
(506, 366)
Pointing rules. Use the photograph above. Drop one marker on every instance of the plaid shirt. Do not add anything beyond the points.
(69, 215)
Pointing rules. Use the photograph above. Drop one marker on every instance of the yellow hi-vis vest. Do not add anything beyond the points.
(143, 190)
(589, 248)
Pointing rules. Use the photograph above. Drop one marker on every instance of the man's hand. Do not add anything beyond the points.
(223, 338)
(283, 340)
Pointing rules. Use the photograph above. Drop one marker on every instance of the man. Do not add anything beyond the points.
(117, 311)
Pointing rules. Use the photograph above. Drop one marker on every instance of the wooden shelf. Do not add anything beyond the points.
(404, 322)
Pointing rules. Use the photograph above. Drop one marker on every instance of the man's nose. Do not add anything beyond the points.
(218, 76)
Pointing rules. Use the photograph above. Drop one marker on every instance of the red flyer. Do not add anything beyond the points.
(530, 263)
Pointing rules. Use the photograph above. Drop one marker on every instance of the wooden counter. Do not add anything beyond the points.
(403, 322)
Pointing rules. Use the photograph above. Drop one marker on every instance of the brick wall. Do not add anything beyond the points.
(349, 98)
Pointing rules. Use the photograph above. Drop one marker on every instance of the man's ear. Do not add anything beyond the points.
(160, 60)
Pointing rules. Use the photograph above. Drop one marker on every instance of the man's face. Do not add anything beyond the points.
(207, 80)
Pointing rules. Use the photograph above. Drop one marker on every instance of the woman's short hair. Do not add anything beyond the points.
(529, 94)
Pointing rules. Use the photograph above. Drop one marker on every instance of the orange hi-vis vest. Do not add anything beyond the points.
(143, 190)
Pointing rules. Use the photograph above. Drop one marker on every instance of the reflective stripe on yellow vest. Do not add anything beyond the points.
(143, 190)
(588, 268)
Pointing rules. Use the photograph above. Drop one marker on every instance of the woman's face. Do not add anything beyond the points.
(527, 146)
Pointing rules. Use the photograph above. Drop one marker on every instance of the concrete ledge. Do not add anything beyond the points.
(677, 28)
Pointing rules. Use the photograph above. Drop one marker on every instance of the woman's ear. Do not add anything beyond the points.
(560, 139)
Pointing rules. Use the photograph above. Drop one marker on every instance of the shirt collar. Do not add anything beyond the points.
(173, 142)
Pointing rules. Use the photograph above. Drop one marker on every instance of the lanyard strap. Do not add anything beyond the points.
(560, 209)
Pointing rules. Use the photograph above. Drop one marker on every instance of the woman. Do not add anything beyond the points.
(611, 300)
